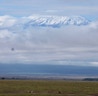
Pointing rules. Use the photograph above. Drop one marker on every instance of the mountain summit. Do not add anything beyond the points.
(56, 21)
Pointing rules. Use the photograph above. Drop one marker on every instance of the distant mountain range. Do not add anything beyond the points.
(42, 21)
(34, 70)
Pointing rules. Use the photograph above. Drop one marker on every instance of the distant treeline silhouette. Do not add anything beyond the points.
(90, 79)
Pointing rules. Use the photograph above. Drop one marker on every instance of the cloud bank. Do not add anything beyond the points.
(67, 45)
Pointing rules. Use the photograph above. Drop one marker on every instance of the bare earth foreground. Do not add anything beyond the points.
(47, 88)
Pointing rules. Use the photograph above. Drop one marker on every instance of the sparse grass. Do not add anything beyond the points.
(47, 88)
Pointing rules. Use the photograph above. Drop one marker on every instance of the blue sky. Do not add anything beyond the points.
(88, 8)
(74, 45)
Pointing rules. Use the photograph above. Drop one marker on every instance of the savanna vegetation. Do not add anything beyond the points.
(47, 88)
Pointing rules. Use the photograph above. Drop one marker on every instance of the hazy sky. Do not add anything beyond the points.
(87, 8)
(75, 45)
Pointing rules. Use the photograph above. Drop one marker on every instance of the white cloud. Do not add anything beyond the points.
(94, 25)
(52, 11)
(5, 34)
(94, 63)
(64, 45)
(7, 21)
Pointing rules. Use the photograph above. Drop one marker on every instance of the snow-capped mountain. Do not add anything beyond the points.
(42, 21)
(56, 21)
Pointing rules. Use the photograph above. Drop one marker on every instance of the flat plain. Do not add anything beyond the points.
(48, 88)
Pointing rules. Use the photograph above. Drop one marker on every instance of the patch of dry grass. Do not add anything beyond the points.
(47, 88)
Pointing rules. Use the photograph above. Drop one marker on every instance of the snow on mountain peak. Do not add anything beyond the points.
(41, 21)
(56, 21)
